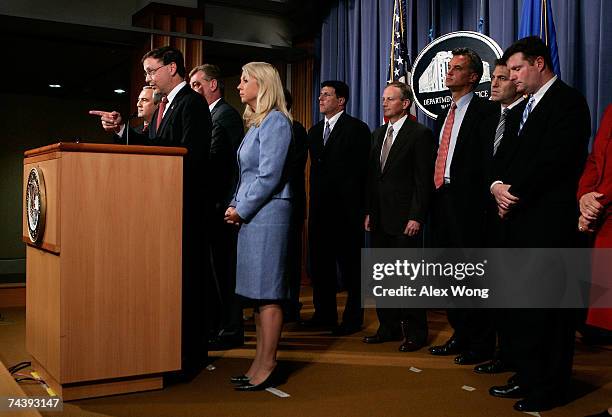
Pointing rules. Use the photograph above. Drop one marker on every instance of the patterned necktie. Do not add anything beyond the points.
(526, 112)
(160, 112)
(326, 133)
(386, 147)
(443, 149)
(499, 132)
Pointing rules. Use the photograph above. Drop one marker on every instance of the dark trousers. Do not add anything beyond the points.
(334, 249)
(389, 319)
(294, 266)
(542, 346)
(451, 228)
(224, 308)
(194, 323)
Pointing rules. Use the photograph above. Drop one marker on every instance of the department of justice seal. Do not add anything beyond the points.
(428, 77)
(36, 205)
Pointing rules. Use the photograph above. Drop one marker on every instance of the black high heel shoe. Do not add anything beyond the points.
(240, 379)
(271, 381)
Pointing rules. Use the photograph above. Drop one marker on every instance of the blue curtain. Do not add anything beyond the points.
(354, 44)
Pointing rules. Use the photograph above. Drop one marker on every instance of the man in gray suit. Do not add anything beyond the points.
(227, 133)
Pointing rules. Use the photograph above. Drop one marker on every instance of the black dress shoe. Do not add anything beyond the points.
(346, 329)
(451, 347)
(494, 366)
(507, 391)
(513, 380)
(377, 338)
(271, 381)
(409, 346)
(530, 405)
(240, 379)
(469, 357)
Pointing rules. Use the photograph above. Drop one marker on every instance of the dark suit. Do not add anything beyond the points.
(224, 308)
(298, 184)
(337, 194)
(458, 213)
(543, 164)
(395, 195)
(187, 123)
(124, 139)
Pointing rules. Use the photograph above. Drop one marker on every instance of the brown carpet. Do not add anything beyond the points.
(333, 377)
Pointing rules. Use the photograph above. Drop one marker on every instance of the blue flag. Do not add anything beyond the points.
(537, 20)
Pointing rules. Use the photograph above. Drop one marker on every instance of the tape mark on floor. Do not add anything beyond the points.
(278, 392)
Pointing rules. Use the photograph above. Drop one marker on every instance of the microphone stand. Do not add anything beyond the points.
(127, 127)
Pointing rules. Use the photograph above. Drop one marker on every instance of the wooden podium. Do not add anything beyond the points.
(103, 280)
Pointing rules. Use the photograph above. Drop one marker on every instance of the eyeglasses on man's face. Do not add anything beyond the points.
(151, 72)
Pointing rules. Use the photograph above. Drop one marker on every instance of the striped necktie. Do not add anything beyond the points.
(386, 147)
(499, 132)
(326, 133)
(526, 112)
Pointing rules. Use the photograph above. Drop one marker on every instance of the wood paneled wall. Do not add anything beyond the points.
(168, 19)
(301, 90)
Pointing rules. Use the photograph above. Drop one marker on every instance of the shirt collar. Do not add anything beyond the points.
(537, 96)
(213, 104)
(175, 91)
(398, 125)
(464, 100)
(332, 120)
(514, 104)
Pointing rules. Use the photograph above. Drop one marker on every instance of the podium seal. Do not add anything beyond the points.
(36, 205)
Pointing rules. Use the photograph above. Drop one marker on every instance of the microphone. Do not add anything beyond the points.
(127, 126)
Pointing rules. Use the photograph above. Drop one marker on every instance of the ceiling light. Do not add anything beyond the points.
(55, 86)
(119, 91)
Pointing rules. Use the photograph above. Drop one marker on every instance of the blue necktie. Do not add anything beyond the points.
(526, 112)
(326, 133)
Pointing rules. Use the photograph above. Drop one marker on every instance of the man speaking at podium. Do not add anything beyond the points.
(182, 119)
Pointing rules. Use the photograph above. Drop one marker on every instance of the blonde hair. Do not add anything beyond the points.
(270, 95)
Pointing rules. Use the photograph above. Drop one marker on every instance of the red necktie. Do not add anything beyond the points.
(443, 149)
(160, 112)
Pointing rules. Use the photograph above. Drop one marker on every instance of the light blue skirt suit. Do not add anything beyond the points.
(263, 198)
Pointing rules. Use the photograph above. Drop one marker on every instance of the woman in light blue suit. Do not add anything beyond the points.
(262, 208)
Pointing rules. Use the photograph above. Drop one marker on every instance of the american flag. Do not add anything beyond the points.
(399, 59)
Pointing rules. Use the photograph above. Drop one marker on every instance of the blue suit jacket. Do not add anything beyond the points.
(262, 162)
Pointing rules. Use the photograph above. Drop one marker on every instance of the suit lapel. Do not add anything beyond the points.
(542, 109)
(466, 125)
(510, 141)
(399, 143)
(175, 102)
(217, 107)
(335, 131)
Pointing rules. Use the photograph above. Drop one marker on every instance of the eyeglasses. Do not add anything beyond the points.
(151, 72)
